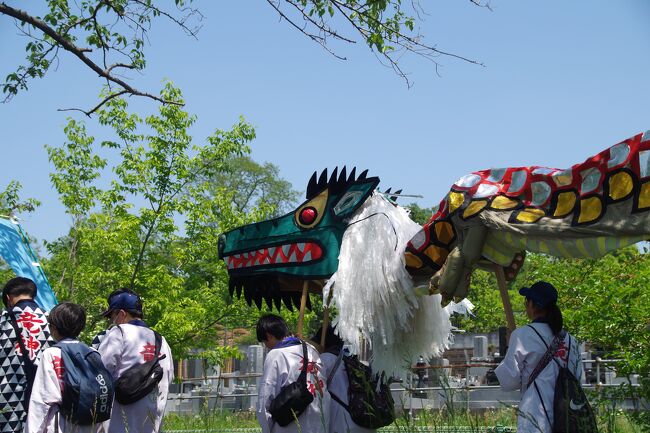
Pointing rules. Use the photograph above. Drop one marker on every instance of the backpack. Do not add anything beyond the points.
(572, 412)
(293, 398)
(88, 391)
(370, 403)
(139, 380)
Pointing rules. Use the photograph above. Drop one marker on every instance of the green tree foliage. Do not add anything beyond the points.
(604, 302)
(109, 36)
(419, 214)
(11, 202)
(155, 227)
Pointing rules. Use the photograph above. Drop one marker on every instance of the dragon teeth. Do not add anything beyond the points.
(292, 258)
(307, 256)
(271, 251)
(286, 249)
(301, 246)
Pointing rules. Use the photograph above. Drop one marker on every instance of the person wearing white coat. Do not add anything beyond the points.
(282, 366)
(129, 343)
(66, 321)
(337, 384)
(526, 347)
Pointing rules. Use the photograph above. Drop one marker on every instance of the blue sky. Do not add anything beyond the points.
(562, 81)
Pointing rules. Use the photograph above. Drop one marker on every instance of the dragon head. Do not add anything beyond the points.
(270, 260)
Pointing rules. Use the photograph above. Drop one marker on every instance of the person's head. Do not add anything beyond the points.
(541, 302)
(333, 343)
(271, 329)
(66, 320)
(124, 305)
(16, 289)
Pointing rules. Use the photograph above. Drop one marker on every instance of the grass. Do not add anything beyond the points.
(434, 421)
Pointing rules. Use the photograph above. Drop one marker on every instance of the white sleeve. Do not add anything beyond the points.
(111, 349)
(167, 363)
(509, 371)
(268, 383)
(46, 393)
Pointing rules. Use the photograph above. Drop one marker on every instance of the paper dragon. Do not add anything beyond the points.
(377, 266)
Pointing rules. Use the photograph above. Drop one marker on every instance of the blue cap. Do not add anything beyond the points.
(123, 301)
(542, 293)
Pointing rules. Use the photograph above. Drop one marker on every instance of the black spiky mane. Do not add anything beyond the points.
(337, 182)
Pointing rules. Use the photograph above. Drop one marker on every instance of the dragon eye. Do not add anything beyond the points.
(308, 215)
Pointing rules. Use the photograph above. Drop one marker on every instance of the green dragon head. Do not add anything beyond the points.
(270, 260)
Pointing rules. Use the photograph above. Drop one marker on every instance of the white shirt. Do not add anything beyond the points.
(282, 366)
(340, 421)
(123, 347)
(525, 350)
(47, 395)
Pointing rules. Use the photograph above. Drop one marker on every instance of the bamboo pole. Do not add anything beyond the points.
(326, 321)
(303, 305)
(503, 289)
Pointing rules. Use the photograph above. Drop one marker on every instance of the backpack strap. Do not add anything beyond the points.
(303, 374)
(336, 367)
(546, 358)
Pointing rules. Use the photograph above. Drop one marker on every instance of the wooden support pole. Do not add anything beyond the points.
(303, 305)
(326, 321)
(503, 289)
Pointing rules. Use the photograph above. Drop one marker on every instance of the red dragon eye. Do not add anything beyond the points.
(308, 215)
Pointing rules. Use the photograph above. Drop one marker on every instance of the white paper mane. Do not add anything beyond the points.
(375, 296)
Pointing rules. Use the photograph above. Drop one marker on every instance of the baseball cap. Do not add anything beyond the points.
(123, 301)
(542, 293)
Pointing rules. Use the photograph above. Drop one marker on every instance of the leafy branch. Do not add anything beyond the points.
(113, 34)
(382, 24)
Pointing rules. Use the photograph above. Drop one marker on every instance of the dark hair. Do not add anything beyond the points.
(553, 316)
(69, 319)
(272, 324)
(333, 343)
(135, 312)
(18, 286)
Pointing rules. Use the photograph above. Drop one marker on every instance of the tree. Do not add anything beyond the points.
(605, 302)
(418, 214)
(165, 249)
(109, 36)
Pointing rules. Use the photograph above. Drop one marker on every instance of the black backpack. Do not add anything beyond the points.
(571, 409)
(87, 386)
(572, 412)
(138, 381)
(370, 403)
(293, 398)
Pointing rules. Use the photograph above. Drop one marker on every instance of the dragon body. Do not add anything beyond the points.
(362, 251)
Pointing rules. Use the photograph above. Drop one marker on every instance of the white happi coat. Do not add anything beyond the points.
(47, 395)
(339, 418)
(282, 366)
(32, 324)
(525, 350)
(122, 347)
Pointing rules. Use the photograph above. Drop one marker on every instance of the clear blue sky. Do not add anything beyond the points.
(563, 80)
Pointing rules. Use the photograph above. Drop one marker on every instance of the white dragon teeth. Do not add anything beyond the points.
(292, 257)
(307, 256)
(301, 246)
(271, 251)
(285, 250)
